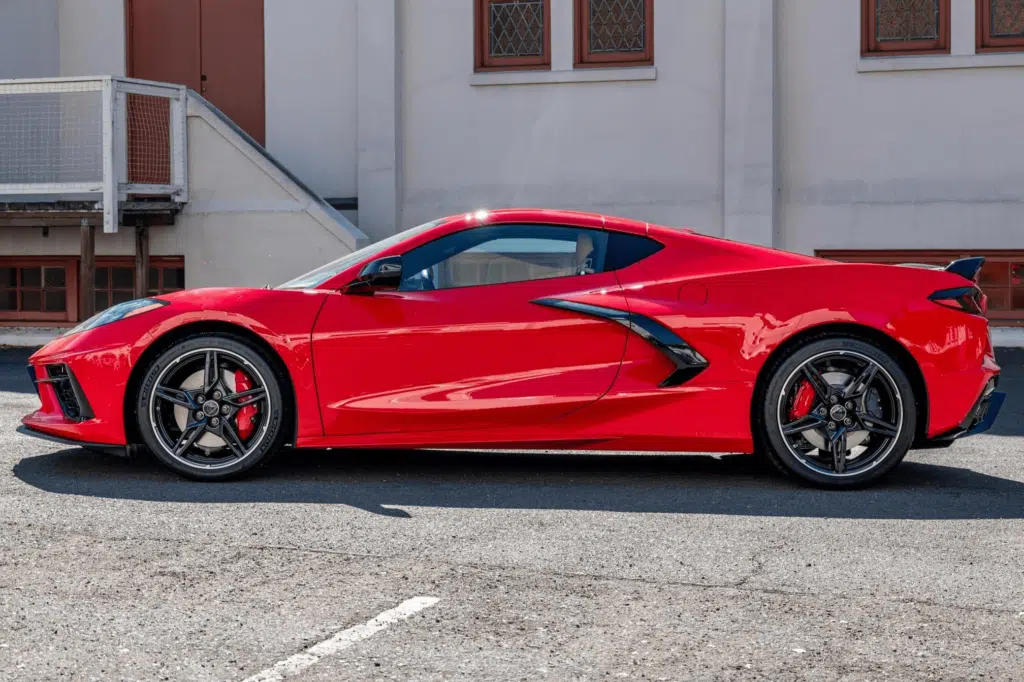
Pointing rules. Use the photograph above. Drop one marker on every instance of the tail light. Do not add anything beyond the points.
(966, 299)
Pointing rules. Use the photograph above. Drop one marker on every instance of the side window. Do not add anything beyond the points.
(626, 249)
(501, 254)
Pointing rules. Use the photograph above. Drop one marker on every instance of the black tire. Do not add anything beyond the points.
(157, 420)
(892, 399)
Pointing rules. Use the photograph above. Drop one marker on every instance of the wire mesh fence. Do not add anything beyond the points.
(52, 135)
(112, 137)
(149, 140)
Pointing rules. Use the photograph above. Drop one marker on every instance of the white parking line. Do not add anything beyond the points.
(293, 665)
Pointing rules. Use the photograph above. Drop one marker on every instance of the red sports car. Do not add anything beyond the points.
(535, 329)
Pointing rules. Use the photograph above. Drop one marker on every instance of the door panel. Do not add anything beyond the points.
(164, 41)
(233, 61)
(465, 358)
(163, 46)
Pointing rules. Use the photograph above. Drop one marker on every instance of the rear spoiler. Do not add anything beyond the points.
(968, 268)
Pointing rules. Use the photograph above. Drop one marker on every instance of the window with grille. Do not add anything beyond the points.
(1000, 25)
(904, 27)
(115, 280)
(614, 32)
(513, 34)
(33, 291)
(165, 278)
(113, 284)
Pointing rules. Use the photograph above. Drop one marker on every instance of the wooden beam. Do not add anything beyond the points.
(141, 260)
(86, 284)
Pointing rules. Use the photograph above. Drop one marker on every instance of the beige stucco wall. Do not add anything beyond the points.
(37, 53)
(927, 159)
(92, 37)
(247, 223)
(650, 150)
(311, 91)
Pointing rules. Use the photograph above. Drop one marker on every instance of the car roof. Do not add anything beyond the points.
(546, 216)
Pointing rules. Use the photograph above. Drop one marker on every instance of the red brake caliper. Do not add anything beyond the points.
(803, 402)
(244, 418)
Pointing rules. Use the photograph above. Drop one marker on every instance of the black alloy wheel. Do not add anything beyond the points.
(838, 413)
(210, 407)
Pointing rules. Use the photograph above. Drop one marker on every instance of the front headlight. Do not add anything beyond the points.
(119, 312)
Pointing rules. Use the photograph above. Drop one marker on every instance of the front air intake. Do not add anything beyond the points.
(69, 394)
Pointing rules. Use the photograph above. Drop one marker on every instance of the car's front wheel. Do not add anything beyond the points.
(210, 407)
(838, 413)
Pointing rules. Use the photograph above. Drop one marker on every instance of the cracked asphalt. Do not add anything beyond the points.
(560, 567)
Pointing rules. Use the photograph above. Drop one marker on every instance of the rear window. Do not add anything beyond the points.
(626, 249)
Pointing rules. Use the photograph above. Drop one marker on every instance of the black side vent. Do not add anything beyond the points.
(689, 363)
(69, 393)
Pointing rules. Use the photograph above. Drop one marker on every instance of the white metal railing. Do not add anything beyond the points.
(100, 136)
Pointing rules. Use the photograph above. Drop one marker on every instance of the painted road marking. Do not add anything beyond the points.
(293, 665)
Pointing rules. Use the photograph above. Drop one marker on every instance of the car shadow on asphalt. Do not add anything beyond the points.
(386, 483)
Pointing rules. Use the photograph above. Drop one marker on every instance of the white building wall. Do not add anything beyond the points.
(37, 54)
(92, 37)
(311, 54)
(918, 159)
(648, 149)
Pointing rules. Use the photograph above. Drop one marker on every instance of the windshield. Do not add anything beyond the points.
(313, 279)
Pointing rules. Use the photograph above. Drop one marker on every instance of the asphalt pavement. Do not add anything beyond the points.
(557, 567)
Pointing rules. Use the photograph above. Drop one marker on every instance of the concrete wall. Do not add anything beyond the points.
(311, 91)
(928, 158)
(247, 222)
(92, 37)
(648, 149)
(37, 53)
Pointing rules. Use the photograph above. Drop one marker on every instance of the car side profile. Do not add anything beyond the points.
(537, 329)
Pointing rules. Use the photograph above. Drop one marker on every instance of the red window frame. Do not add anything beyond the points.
(485, 62)
(587, 59)
(70, 312)
(872, 47)
(986, 41)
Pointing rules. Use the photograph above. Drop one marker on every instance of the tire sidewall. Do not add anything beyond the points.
(776, 442)
(271, 438)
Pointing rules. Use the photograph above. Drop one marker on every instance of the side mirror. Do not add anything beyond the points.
(383, 274)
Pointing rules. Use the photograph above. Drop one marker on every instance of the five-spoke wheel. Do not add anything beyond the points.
(839, 412)
(210, 407)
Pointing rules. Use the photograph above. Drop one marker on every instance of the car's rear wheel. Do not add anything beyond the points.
(211, 407)
(838, 413)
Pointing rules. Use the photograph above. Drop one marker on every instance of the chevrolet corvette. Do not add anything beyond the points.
(536, 329)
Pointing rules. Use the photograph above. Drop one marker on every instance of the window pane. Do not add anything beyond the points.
(8, 300)
(32, 277)
(517, 28)
(618, 26)
(901, 20)
(122, 296)
(8, 278)
(56, 301)
(101, 299)
(998, 298)
(31, 300)
(174, 279)
(1017, 299)
(154, 279)
(1007, 18)
(53, 278)
(1017, 274)
(504, 253)
(122, 278)
(994, 273)
(101, 278)
(626, 249)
